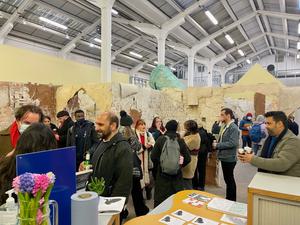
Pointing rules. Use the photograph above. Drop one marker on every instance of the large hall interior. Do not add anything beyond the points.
(149, 112)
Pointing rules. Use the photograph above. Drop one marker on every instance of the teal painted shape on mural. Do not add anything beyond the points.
(162, 77)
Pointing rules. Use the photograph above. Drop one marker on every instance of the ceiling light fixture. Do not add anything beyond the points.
(53, 23)
(211, 17)
(155, 62)
(115, 12)
(172, 68)
(298, 45)
(136, 55)
(298, 56)
(24, 21)
(91, 45)
(241, 52)
(299, 28)
(97, 40)
(248, 61)
(229, 39)
(151, 65)
(67, 36)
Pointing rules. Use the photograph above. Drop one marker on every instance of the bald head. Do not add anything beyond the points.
(107, 124)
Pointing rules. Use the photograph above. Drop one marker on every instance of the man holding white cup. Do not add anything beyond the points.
(280, 153)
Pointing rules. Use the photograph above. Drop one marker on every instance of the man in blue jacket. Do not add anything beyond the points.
(227, 147)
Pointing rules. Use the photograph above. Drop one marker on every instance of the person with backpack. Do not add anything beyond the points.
(128, 133)
(192, 140)
(169, 155)
(258, 133)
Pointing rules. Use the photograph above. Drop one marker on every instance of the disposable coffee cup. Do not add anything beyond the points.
(248, 150)
(241, 151)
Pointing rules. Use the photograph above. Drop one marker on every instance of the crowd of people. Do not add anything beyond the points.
(135, 160)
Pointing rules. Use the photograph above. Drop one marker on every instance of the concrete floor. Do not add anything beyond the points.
(243, 176)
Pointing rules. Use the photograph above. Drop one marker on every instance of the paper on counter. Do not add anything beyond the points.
(170, 220)
(234, 220)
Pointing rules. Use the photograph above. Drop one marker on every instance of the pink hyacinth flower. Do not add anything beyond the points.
(42, 182)
(16, 184)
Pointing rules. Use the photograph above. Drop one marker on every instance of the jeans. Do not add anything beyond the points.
(228, 168)
(246, 141)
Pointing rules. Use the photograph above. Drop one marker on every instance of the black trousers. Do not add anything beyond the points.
(138, 200)
(200, 172)
(228, 168)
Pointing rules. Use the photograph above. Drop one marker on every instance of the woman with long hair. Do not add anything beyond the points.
(35, 138)
(157, 128)
(192, 140)
(147, 141)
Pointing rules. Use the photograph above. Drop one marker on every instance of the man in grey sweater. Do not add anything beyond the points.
(227, 147)
(280, 153)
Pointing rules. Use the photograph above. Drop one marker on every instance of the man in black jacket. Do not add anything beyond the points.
(65, 122)
(82, 135)
(292, 125)
(112, 158)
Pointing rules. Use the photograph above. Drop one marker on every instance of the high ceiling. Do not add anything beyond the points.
(258, 28)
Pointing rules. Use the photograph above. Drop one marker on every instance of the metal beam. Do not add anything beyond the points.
(280, 15)
(234, 17)
(9, 24)
(233, 65)
(260, 24)
(266, 21)
(62, 12)
(128, 45)
(72, 44)
(284, 21)
(295, 52)
(282, 36)
(140, 66)
(198, 27)
(220, 57)
(199, 45)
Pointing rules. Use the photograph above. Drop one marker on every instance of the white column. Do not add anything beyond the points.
(161, 48)
(223, 73)
(210, 67)
(191, 66)
(106, 7)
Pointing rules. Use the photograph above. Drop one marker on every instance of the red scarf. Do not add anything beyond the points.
(14, 134)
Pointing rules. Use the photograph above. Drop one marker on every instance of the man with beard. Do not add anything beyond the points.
(228, 142)
(112, 158)
(280, 153)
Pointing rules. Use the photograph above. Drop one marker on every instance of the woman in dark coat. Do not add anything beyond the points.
(167, 185)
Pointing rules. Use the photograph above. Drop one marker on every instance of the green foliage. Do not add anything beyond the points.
(97, 185)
